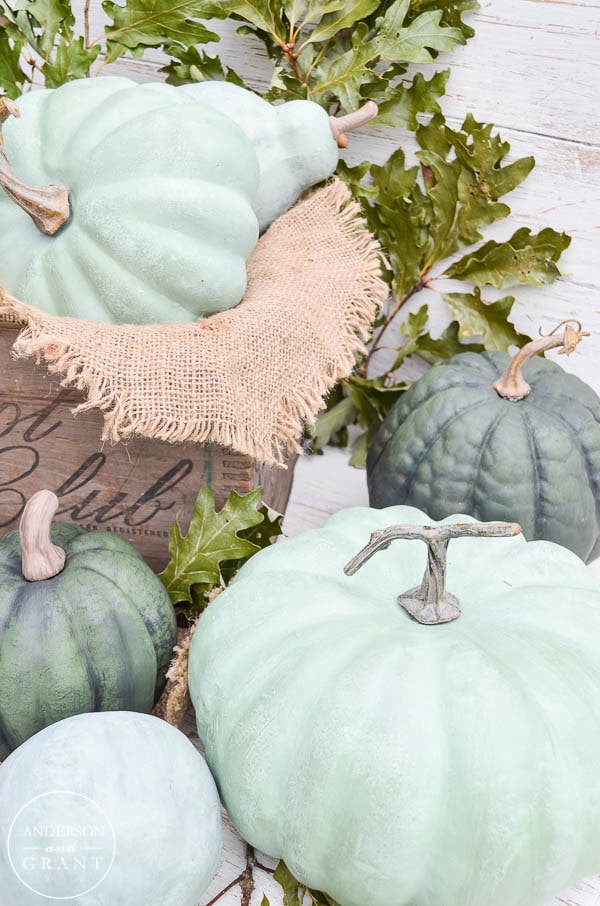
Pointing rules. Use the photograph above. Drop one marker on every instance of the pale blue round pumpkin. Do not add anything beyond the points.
(391, 763)
(293, 142)
(121, 806)
(160, 193)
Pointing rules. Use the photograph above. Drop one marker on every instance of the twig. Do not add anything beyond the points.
(86, 27)
(376, 344)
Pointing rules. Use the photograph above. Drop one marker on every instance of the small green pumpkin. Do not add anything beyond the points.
(467, 438)
(149, 218)
(296, 143)
(121, 806)
(85, 625)
(392, 762)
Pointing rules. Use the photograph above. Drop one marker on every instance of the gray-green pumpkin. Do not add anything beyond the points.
(95, 636)
(467, 438)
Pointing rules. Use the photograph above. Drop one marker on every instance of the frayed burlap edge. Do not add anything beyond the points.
(63, 344)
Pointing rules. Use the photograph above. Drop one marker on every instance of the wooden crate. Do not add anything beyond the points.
(135, 489)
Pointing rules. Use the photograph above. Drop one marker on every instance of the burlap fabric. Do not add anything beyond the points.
(248, 378)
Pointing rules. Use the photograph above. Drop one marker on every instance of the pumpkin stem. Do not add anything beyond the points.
(48, 206)
(511, 385)
(342, 124)
(429, 602)
(40, 559)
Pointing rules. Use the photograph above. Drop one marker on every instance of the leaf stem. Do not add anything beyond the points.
(316, 60)
(376, 343)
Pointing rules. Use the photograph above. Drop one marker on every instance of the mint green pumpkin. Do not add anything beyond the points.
(455, 443)
(159, 203)
(96, 635)
(126, 806)
(296, 143)
(391, 763)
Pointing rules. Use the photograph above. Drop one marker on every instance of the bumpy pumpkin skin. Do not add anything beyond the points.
(293, 143)
(160, 189)
(99, 636)
(452, 444)
(153, 786)
(394, 763)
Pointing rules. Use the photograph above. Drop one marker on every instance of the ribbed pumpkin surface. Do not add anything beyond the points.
(452, 445)
(395, 764)
(96, 637)
(160, 192)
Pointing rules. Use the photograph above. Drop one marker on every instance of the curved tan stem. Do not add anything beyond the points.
(511, 385)
(48, 206)
(340, 125)
(40, 559)
(429, 602)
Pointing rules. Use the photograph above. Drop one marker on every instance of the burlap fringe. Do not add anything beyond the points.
(66, 350)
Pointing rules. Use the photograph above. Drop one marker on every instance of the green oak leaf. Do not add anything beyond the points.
(403, 104)
(373, 399)
(294, 893)
(301, 13)
(448, 344)
(329, 426)
(464, 180)
(71, 61)
(52, 16)
(261, 535)
(452, 12)
(12, 77)
(345, 74)
(188, 64)
(350, 12)
(213, 538)
(153, 23)
(488, 320)
(289, 885)
(285, 87)
(266, 15)
(419, 40)
(522, 259)
(413, 330)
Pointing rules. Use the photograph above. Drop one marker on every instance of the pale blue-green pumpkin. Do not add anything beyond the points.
(159, 203)
(136, 779)
(296, 143)
(397, 764)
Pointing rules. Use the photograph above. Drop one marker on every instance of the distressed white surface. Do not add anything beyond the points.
(533, 68)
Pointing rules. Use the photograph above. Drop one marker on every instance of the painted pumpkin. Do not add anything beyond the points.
(391, 762)
(296, 143)
(85, 625)
(466, 438)
(150, 219)
(122, 808)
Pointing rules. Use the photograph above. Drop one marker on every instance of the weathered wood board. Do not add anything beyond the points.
(135, 489)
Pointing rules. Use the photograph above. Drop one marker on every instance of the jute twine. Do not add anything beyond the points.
(175, 701)
(249, 378)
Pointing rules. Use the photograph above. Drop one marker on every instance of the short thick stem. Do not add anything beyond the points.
(511, 385)
(40, 558)
(340, 125)
(48, 206)
(430, 603)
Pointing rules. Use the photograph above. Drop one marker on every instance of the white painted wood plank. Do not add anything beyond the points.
(533, 65)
